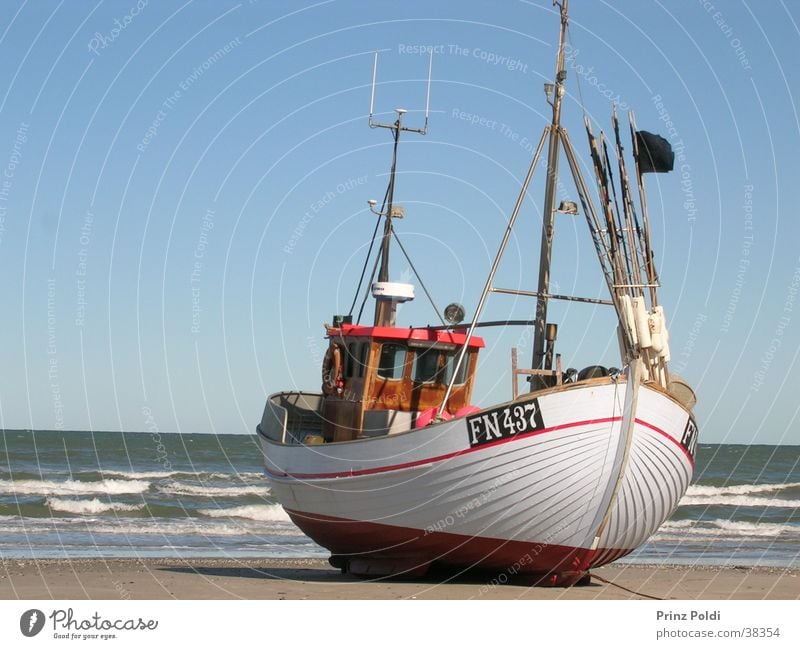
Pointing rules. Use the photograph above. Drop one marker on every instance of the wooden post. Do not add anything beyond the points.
(514, 391)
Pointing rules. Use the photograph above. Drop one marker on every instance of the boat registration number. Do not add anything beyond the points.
(502, 423)
(689, 439)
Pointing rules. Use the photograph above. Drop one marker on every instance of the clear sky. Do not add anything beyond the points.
(184, 186)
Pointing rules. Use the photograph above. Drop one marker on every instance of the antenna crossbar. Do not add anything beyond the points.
(374, 124)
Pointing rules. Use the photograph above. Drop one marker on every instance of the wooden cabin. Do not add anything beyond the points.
(383, 380)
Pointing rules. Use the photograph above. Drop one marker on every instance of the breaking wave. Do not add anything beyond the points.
(739, 501)
(73, 487)
(181, 489)
(725, 528)
(155, 475)
(739, 489)
(93, 506)
(270, 513)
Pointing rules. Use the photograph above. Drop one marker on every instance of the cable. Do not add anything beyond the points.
(421, 283)
(369, 253)
(578, 83)
(366, 292)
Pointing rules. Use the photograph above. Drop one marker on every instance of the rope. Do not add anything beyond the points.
(627, 590)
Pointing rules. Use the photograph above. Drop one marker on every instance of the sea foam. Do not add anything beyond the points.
(739, 489)
(739, 501)
(182, 489)
(721, 527)
(72, 487)
(93, 506)
(270, 513)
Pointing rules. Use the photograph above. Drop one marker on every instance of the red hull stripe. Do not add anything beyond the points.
(366, 540)
(670, 438)
(447, 456)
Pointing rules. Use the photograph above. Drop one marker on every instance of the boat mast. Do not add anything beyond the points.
(383, 308)
(548, 216)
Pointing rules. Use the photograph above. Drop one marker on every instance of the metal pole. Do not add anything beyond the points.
(383, 307)
(549, 203)
(487, 288)
(646, 251)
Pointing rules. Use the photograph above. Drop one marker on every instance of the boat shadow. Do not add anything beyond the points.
(435, 576)
(330, 575)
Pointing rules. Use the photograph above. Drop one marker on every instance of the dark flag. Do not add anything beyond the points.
(655, 153)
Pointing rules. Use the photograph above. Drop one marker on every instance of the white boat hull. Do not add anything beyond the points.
(550, 486)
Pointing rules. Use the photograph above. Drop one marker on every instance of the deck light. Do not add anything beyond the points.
(454, 313)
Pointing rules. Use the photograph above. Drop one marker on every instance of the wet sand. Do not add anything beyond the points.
(316, 580)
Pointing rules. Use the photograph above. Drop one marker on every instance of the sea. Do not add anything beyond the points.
(74, 494)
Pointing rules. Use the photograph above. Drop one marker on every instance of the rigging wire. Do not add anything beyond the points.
(578, 77)
(366, 291)
(377, 261)
(369, 253)
(421, 283)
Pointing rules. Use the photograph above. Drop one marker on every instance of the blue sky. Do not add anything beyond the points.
(183, 200)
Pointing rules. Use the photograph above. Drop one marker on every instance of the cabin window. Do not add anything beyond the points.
(452, 359)
(426, 366)
(362, 359)
(351, 360)
(392, 361)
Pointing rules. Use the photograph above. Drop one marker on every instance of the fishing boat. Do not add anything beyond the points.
(393, 469)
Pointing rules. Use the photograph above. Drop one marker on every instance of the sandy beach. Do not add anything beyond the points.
(315, 579)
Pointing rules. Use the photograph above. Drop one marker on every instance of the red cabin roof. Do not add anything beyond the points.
(422, 334)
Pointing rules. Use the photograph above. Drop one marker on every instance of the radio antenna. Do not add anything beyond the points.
(374, 124)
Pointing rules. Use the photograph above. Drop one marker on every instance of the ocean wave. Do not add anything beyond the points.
(131, 527)
(182, 489)
(739, 489)
(93, 506)
(722, 527)
(144, 475)
(269, 513)
(240, 475)
(73, 487)
(738, 501)
(199, 475)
